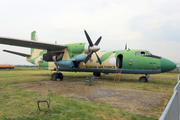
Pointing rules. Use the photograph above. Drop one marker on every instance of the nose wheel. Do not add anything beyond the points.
(143, 79)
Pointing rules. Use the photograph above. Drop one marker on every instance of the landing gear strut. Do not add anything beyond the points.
(57, 76)
(144, 78)
(97, 74)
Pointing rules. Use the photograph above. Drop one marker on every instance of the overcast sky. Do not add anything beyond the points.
(152, 25)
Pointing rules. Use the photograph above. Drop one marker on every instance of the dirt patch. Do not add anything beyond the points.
(127, 99)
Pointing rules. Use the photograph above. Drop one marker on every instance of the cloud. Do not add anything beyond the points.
(143, 24)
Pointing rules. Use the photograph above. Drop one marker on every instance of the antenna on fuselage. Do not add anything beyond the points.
(126, 46)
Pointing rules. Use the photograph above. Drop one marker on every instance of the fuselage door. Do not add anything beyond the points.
(119, 61)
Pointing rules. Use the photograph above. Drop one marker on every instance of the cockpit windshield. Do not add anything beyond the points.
(148, 53)
(142, 53)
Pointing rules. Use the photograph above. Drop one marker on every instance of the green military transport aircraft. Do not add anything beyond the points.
(85, 57)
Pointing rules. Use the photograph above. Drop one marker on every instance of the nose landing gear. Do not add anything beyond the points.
(144, 78)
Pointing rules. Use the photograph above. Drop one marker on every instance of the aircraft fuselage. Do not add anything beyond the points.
(129, 61)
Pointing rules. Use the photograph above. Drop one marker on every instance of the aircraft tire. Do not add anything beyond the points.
(97, 74)
(56, 76)
(60, 76)
(143, 79)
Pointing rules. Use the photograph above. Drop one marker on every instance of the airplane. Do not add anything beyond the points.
(84, 57)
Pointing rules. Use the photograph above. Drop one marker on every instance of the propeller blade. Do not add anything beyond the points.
(126, 46)
(88, 57)
(92, 48)
(88, 38)
(98, 59)
(97, 42)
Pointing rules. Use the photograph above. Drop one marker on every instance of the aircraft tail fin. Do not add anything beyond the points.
(34, 38)
(35, 53)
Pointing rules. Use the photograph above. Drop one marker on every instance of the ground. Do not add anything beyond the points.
(72, 99)
(133, 100)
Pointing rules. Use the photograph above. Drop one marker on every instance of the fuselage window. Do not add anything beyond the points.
(137, 53)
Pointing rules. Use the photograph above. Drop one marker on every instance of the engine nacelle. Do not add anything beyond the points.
(71, 63)
(65, 63)
(50, 57)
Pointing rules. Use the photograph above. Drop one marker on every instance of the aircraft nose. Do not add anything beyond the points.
(167, 65)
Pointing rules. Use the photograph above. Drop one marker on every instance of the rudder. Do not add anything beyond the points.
(34, 38)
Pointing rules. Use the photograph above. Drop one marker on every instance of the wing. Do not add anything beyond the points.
(31, 44)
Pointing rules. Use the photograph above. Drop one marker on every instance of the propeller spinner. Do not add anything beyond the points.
(93, 48)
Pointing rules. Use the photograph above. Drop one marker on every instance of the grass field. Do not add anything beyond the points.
(17, 104)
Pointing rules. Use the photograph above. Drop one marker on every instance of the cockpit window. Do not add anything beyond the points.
(148, 53)
(137, 53)
(142, 53)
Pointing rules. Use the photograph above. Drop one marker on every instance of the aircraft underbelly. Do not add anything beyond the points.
(128, 71)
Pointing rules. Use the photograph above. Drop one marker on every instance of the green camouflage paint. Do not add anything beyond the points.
(75, 49)
(43, 64)
(105, 57)
(129, 60)
(126, 60)
(33, 35)
(40, 54)
(134, 62)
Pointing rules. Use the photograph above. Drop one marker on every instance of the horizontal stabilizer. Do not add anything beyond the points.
(17, 53)
(31, 44)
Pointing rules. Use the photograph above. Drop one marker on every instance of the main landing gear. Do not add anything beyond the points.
(57, 76)
(144, 78)
(97, 74)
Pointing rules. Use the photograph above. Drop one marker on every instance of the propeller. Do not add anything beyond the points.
(92, 48)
